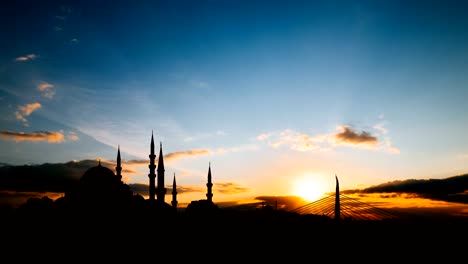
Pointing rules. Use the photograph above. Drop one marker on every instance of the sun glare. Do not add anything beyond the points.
(309, 187)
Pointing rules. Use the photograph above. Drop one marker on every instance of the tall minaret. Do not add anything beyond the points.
(209, 195)
(174, 193)
(337, 200)
(118, 168)
(152, 175)
(160, 190)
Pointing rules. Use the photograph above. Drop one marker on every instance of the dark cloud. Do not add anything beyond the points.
(350, 136)
(452, 189)
(47, 177)
(15, 199)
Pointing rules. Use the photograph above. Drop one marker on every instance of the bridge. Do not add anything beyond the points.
(339, 206)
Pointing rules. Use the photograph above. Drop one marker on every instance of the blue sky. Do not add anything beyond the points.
(267, 91)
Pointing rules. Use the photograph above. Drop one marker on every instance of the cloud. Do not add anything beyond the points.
(49, 136)
(46, 90)
(29, 108)
(189, 153)
(294, 140)
(26, 110)
(46, 177)
(27, 57)
(230, 188)
(451, 189)
(173, 156)
(72, 136)
(262, 137)
(20, 117)
(240, 148)
(204, 136)
(344, 136)
(347, 135)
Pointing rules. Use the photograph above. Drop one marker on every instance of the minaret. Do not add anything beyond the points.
(160, 189)
(209, 195)
(174, 193)
(337, 200)
(152, 175)
(118, 168)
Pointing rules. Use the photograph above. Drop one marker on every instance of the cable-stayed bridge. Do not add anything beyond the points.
(339, 206)
(350, 208)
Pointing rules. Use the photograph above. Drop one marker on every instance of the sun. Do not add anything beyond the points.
(309, 187)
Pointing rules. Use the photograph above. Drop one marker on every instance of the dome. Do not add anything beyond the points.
(98, 175)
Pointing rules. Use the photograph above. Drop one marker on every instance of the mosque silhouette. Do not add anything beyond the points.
(100, 189)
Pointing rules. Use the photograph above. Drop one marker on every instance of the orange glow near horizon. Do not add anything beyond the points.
(309, 187)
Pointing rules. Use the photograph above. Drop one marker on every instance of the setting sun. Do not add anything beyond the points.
(309, 187)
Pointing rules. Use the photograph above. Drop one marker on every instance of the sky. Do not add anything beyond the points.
(277, 97)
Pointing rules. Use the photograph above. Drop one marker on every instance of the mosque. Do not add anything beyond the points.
(101, 188)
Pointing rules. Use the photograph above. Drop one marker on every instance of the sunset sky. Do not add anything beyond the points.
(275, 95)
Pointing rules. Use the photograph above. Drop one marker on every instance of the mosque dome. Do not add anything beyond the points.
(98, 175)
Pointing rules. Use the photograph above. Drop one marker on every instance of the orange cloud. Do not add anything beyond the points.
(27, 57)
(49, 136)
(29, 108)
(46, 89)
(26, 111)
(189, 153)
(72, 136)
(230, 188)
(20, 117)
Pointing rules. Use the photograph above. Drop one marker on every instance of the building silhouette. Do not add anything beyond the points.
(101, 189)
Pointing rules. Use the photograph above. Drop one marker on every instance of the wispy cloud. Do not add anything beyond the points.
(295, 140)
(173, 156)
(26, 110)
(44, 136)
(27, 57)
(46, 89)
(230, 188)
(240, 148)
(29, 108)
(204, 136)
(73, 41)
(345, 135)
(262, 137)
(72, 136)
(189, 153)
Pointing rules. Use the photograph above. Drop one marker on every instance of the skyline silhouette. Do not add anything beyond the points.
(286, 129)
(100, 182)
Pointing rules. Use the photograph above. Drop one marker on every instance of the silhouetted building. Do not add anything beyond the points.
(101, 188)
(174, 193)
(204, 205)
(152, 174)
